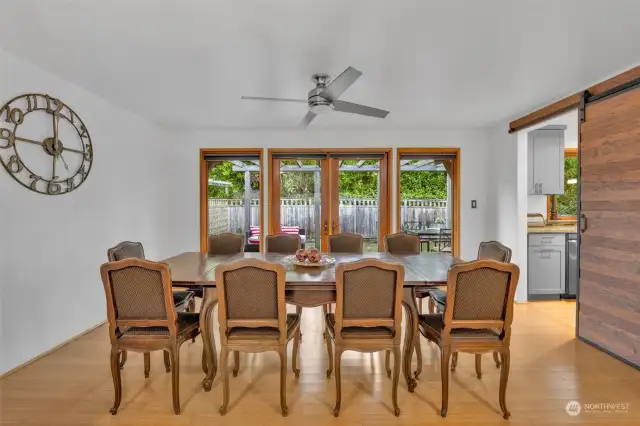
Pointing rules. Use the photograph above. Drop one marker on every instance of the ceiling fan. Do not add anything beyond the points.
(324, 98)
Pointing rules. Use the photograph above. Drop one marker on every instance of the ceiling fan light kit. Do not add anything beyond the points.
(323, 98)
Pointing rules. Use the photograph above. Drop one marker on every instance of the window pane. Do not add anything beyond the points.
(233, 198)
(567, 203)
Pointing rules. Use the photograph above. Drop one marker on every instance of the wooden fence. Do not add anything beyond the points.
(357, 215)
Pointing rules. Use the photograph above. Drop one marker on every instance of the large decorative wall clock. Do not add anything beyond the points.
(44, 145)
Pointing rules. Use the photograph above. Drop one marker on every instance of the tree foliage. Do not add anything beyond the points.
(352, 184)
(567, 203)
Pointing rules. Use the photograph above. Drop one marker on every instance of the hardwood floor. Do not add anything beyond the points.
(72, 386)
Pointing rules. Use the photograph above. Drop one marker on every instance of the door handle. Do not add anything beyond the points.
(583, 223)
(326, 227)
(333, 227)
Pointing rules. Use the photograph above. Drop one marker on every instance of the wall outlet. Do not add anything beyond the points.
(474, 204)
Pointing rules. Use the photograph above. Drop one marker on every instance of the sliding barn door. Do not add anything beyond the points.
(609, 293)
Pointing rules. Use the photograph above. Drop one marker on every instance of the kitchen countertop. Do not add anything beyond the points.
(549, 229)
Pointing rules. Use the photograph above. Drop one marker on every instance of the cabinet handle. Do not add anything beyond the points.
(535, 188)
(583, 223)
(541, 190)
(326, 227)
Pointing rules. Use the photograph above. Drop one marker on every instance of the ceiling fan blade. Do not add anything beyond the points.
(307, 119)
(343, 106)
(258, 98)
(341, 83)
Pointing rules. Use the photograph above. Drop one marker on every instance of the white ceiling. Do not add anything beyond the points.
(185, 63)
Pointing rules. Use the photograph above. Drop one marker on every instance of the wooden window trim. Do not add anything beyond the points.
(385, 175)
(568, 152)
(204, 205)
(455, 186)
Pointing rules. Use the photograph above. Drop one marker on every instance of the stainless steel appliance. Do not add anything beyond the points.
(571, 286)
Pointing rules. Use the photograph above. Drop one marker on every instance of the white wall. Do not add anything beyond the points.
(51, 247)
(476, 224)
(538, 203)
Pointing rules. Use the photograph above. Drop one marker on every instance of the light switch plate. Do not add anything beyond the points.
(474, 204)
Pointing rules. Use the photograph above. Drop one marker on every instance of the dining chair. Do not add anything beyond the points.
(493, 250)
(253, 317)
(283, 243)
(142, 318)
(477, 318)
(405, 244)
(346, 242)
(402, 243)
(368, 316)
(225, 243)
(221, 244)
(184, 301)
(444, 240)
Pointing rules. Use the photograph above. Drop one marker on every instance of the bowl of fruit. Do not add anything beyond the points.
(311, 257)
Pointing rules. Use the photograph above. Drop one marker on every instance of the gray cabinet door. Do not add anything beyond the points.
(546, 270)
(546, 161)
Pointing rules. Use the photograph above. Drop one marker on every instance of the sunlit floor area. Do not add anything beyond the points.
(549, 368)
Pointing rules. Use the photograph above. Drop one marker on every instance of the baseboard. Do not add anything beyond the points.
(55, 348)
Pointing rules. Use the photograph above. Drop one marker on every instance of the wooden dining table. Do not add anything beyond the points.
(308, 287)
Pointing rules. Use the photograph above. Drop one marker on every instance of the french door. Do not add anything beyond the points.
(320, 193)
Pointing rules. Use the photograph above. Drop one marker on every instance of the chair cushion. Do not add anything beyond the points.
(433, 323)
(266, 333)
(186, 322)
(359, 332)
(182, 297)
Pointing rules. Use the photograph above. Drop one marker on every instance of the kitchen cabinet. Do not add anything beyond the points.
(546, 160)
(547, 265)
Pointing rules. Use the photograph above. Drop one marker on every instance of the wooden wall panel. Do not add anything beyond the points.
(609, 293)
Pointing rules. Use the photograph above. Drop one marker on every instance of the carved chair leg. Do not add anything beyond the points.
(337, 362)
(504, 378)
(444, 371)
(327, 340)
(454, 361)
(299, 312)
(387, 362)
(419, 356)
(224, 370)
(117, 382)
(167, 361)
(236, 363)
(175, 377)
(147, 364)
(420, 305)
(123, 359)
(496, 359)
(295, 353)
(283, 380)
(431, 306)
(479, 366)
(205, 368)
(396, 377)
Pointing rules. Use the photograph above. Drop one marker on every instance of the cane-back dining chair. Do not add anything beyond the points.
(253, 317)
(477, 318)
(346, 242)
(183, 299)
(142, 317)
(283, 243)
(405, 244)
(368, 316)
(493, 250)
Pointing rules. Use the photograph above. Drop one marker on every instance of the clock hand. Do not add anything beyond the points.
(53, 173)
(18, 138)
(65, 163)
